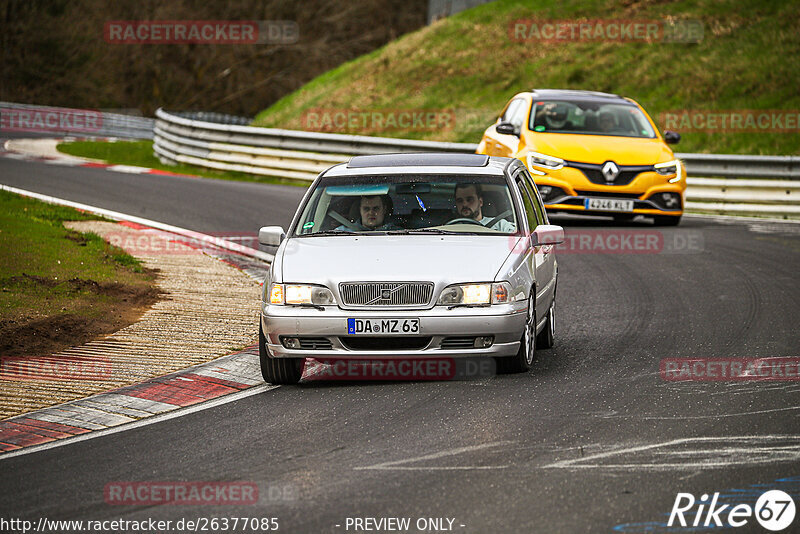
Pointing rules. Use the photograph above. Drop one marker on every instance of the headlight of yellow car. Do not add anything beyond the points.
(669, 168)
(299, 294)
(543, 161)
(476, 294)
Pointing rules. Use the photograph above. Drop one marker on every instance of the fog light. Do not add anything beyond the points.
(671, 200)
(483, 342)
(550, 192)
(291, 342)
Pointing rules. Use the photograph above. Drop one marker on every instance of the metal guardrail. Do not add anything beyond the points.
(739, 166)
(77, 122)
(717, 183)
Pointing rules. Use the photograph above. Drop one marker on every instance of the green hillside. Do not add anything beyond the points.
(468, 66)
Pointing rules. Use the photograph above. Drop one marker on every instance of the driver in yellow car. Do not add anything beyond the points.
(469, 204)
(607, 122)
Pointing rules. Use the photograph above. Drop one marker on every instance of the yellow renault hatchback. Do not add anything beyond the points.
(593, 153)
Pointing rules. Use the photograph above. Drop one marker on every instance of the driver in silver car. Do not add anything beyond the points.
(469, 203)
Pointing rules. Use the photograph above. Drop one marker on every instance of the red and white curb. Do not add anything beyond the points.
(220, 381)
(234, 373)
(48, 154)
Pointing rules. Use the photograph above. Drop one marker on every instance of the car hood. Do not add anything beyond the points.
(601, 148)
(418, 258)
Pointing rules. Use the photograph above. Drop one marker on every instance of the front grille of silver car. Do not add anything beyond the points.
(380, 294)
(385, 343)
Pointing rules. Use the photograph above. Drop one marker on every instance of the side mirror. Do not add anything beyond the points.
(506, 128)
(547, 234)
(671, 137)
(271, 235)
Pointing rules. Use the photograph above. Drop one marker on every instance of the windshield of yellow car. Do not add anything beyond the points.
(590, 118)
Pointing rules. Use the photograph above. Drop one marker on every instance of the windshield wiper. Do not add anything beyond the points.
(327, 233)
(428, 231)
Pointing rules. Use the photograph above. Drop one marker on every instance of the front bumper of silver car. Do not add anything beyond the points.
(294, 332)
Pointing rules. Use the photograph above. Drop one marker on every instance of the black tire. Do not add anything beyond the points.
(667, 220)
(522, 361)
(278, 370)
(547, 337)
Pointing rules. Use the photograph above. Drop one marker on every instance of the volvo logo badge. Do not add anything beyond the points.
(610, 171)
(385, 294)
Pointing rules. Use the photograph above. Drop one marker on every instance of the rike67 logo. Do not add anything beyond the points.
(774, 510)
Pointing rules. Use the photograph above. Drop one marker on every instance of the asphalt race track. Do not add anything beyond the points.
(593, 439)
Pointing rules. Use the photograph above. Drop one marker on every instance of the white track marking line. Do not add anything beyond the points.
(394, 465)
(712, 416)
(580, 463)
(64, 162)
(20, 157)
(613, 415)
(117, 216)
(128, 169)
(213, 403)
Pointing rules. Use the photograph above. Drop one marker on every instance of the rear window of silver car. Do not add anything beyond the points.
(409, 202)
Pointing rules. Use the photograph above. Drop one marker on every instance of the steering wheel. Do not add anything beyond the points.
(498, 218)
(463, 220)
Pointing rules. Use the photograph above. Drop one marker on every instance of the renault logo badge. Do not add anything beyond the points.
(610, 171)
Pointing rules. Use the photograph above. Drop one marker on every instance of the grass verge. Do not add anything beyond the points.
(140, 154)
(60, 288)
(470, 64)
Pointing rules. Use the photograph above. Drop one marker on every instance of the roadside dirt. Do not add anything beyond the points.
(190, 308)
(120, 306)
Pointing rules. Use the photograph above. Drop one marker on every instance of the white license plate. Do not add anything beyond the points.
(608, 204)
(382, 326)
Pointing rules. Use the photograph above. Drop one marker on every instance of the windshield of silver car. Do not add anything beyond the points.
(591, 118)
(406, 204)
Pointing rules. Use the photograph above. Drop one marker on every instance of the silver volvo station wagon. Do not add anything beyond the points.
(411, 256)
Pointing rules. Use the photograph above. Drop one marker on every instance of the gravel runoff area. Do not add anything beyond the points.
(208, 309)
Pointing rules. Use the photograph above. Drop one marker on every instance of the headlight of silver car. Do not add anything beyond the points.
(298, 294)
(476, 294)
